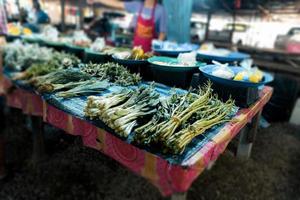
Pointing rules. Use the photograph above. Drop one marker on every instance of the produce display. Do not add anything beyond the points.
(69, 83)
(57, 62)
(99, 46)
(122, 111)
(85, 88)
(62, 73)
(176, 120)
(58, 77)
(253, 75)
(153, 119)
(17, 30)
(18, 56)
(137, 53)
(112, 72)
(183, 60)
(80, 39)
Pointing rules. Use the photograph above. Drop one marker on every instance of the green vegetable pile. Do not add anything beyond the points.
(181, 118)
(123, 110)
(18, 56)
(84, 88)
(170, 122)
(112, 72)
(58, 77)
(58, 61)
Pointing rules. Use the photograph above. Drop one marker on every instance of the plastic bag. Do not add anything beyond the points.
(98, 45)
(187, 59)
(222, 71)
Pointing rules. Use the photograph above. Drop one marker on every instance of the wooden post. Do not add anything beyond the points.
(38, 140)
(209, 14)
(233, 26)
(81, 13)
(2, 147)
(2, 121)
(63, 15)
(247, 138)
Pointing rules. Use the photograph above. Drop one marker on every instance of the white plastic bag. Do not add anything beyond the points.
(222, 71)
(187, 59)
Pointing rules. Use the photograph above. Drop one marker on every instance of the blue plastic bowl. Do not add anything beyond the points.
(208, 69)
(232, 57)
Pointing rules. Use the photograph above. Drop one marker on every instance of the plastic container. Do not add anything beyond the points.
(77, 51)
(208, 70)
(58, 46)
(178, 76)
(243, 96)
(136, 66)
(11, 38)
(231, 58)
(95, 57)
(32, 40)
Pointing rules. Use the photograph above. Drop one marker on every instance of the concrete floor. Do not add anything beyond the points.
(295, 119)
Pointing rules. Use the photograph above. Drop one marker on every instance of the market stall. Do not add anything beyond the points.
(168, 136)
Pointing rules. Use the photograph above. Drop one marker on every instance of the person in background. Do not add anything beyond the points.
(37, 17)
(149, 20)
(3, 32)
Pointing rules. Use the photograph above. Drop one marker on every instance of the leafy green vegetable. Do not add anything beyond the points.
(18, 56)
(89, 87)
(122, 111)
(59, 77)
(59, 61)
(113, 73)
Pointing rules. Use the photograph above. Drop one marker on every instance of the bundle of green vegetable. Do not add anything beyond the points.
(18, 56)
(169, 122)
(113, 73)
(58, 61)
(123, 111)
(174, 127)
(44, 83)
(85, 88)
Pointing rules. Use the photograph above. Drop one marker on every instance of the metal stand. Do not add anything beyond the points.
(179, 196)
(38, 140)
(247, 138)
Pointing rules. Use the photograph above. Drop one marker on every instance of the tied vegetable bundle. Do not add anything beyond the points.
(113, 73)
(181, 118)
(123, 111)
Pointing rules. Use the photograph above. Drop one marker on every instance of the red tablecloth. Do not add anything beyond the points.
(167, 177)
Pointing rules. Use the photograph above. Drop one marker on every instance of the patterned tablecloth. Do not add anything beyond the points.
(168, 178)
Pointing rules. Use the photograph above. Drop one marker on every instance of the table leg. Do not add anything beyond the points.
(247, 138)
(38, 140)
(2, 147)
(179, 196)
(2, 158)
